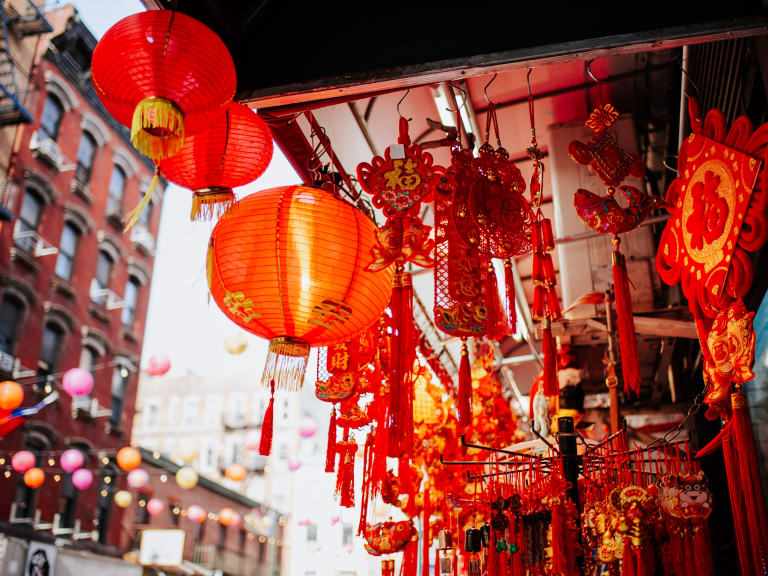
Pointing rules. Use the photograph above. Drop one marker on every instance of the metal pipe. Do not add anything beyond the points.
(515, 360)
(363, 125)
(683, 98)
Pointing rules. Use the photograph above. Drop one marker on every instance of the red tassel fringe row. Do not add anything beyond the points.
(265, 443)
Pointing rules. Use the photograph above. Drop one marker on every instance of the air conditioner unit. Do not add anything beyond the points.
(90, 406)
(46, 149)
(142, 237)
(110, 300)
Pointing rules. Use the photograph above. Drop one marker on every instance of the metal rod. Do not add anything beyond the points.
(490, 449)
(363, 125)
(515, 360)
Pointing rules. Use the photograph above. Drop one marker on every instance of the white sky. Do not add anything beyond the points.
(180, 322)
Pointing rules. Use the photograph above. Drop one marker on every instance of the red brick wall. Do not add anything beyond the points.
(58, 418)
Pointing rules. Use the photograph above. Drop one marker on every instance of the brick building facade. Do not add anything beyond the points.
(73, 287)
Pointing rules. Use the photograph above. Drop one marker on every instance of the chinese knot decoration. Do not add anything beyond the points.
(399, 182)
(718, 206)
(603, 214)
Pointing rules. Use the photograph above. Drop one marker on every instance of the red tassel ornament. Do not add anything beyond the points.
(345, 476)
(509, 292)
(410, 559)
(265, 443)
(401, 365)
(625, 323)
(330, 451)
(464, 403)
(495, 316)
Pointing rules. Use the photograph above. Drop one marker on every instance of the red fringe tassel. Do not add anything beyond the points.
(509, 292)
(495, 318)
(410, 559)
(626, 325)
(401, 365)
(345, 476)
(464, 403)
(426, 539)
(330, 451)
(549, 351)
(265, 443)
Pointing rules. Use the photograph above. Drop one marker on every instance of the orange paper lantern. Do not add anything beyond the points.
(34, 477)
(128, 458)
(290, 264)
(234, 151)
(235, 472)
(228, 517)
(11, 395)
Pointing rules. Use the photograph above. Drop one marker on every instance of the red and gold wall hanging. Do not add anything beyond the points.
(399, 182)
(718, 205)
(612, 164)
(280, 266)
(234, 151)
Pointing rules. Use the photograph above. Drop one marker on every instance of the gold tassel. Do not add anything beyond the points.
(157, 128)
(210, 203)
(133, 215)
(286, 363)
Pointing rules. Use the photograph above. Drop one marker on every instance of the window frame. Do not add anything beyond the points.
(24, 225)
(130, 306)
(115, 200)
(83, 170)
(64, 254)
(20, 308)
(60, 108)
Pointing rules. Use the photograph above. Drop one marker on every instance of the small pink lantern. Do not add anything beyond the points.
(82, 479)
(78, 382)
(252, 439)
(158, 365)
(71, 460)
(307, 427)
(23, 461)
(293, 463)
(196, 514)
(155, 506)
(137, 478)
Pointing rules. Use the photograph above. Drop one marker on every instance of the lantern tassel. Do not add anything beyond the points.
(345, 476)
(549, 351)
(410, 559)
(211, 203)
(509, 291)
(286, 363)
(133, 215)
(496, 323)
(330, 452)
(401, 365)
(157, 128)
(625, 324)
(265, 443)
(465, 388)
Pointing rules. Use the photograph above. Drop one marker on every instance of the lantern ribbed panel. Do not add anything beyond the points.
(234, 151)
(289, 251)
(166, 54)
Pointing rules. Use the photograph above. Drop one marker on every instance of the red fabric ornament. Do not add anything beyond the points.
(718, 205)
(152, 71)
(234, 151)
(289, 264)
(388, 537)
(345, 477)
(330, 451)
(265, 443)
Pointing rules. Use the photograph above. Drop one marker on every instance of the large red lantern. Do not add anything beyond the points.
(290, 264)
(162, 73)
(234, 151)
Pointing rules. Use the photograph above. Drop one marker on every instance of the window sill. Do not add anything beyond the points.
(116, 221)
(81, 190)
(23, 257)
(99, 311)
(114, 429)
(82, 414)
(64, 287)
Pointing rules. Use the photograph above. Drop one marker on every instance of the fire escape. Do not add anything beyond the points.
(22, 22)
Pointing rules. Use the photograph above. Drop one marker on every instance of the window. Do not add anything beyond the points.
(212, 411)
(259, 408)
(51, 118)
(283, 454)
(236, 412)
(28, 222)
(104, 502)
(311, 532)
(191, 409)
(119, 380)
(49, 353)
(286, 404)
(209, 455)
(10, 320)
(145, 215)
(234, 449)
(346, 535)
(151, 414)
(116, 191)
(26, 496)
(65, 262)
(131, 299)
(101, 280)
(85, 154)
(142, 514)
(173, 410)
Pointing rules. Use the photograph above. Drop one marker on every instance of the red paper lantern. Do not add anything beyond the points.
(290, 264)
(162, 73)
(234, 151)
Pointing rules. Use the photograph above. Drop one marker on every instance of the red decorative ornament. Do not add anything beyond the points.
(290, 264)
(718, 205)
(388, 537)
(234, 151)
